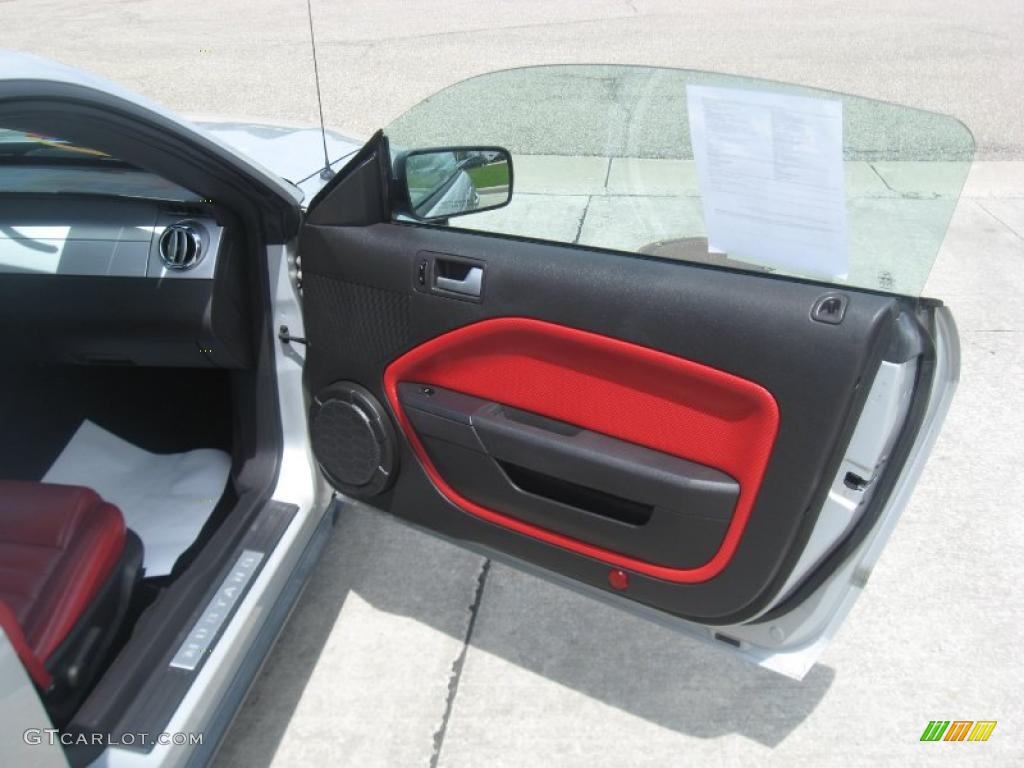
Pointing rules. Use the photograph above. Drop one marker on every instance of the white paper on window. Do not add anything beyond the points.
(770, 170)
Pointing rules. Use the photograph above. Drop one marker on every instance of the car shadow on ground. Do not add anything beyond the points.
(646, 670)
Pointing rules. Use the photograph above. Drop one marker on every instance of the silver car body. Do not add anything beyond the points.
(274, 152)
(288, 161)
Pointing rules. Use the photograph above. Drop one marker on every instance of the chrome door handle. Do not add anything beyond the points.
(469, 285)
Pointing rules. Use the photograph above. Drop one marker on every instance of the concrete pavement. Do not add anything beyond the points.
(387, 615)
(240, 59)
(405, 650)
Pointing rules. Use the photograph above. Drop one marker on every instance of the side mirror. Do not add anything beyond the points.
(440, 183)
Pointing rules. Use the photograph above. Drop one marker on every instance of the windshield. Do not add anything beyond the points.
(719, 169)
(22, 145)
(39, 164)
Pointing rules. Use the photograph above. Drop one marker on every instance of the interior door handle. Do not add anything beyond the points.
(468, 285)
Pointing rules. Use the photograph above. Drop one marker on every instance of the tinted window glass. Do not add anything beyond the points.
(733, 171)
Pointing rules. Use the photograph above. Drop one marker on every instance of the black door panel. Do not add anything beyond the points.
(618, 495)
(364, 307)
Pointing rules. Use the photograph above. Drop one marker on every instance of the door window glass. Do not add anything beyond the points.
(732, 171)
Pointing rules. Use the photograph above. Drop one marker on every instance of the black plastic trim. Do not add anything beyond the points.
(277, 617)
(359, 193)
(90, 640)
(359, 459)
(753, 325)
(600, 490)
(162, 692)
(884, 485)
(581, 497)
(147, 321)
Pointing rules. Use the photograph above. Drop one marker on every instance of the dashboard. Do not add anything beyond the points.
(124, 238)
(115, 280)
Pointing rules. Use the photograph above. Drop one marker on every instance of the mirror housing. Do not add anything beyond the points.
(439, 183)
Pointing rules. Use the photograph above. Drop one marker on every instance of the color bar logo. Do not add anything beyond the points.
(958, 730)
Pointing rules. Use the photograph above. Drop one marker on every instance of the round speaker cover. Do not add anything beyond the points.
(353, 439)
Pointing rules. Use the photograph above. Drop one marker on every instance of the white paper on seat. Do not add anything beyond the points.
(164, 497)
(770, 171)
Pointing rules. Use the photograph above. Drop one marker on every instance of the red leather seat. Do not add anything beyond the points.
(59, 546)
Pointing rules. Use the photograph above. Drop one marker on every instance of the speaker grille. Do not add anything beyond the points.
(346, 443)
(353, 439)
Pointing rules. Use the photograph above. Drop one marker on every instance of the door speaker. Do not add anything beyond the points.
(353, 439)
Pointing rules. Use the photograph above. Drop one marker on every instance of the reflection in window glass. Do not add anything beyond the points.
(35, 163)
(603, 156)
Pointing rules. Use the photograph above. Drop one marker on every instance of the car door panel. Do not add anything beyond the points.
(632, 394)
(577, 488)
(725, 370)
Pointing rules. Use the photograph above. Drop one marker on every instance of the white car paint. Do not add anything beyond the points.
(294, 153)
